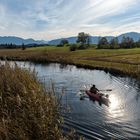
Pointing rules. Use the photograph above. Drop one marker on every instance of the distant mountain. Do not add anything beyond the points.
(94, 39)
(134, 35)
(57, 41)
(18, 40)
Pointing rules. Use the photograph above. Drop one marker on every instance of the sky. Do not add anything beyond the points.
(51, 19)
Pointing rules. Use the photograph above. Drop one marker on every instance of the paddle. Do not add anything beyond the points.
(105, 90)
(88, 86)
(83, 90)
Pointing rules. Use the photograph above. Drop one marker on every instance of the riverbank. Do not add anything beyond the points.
(26, 110)
(120, 61)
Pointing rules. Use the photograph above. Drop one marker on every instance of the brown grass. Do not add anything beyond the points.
(26, 111)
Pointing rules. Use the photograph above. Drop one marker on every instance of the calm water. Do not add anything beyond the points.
(121, 120)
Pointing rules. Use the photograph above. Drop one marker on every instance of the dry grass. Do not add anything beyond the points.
(26, 111)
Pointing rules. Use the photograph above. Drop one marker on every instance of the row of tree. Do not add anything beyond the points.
(84, 41)
(22, 46)
(8, 46)
(126, 42)
(13, 46)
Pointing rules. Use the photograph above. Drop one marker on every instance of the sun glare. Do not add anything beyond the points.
(114, 108)
(114, 102)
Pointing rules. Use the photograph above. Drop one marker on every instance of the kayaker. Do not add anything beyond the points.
(93, 89)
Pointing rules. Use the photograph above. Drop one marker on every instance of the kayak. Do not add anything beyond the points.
(101, 98)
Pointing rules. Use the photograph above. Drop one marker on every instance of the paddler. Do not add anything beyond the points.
(94, 90)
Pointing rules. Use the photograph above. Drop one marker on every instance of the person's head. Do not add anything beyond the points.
(93, 86)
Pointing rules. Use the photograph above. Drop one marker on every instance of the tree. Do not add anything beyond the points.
(64, 42)
(138, 43)
(84, 40)
(103, 43)
(127, 42)
(23, 46)
(89, 41)
(114, 43)
(123, 42)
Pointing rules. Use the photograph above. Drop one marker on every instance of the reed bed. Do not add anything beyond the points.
(26, 110)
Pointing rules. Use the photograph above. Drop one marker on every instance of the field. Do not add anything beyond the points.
(126, 61)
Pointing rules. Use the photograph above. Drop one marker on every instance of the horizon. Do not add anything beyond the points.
(48, 20)
(70, 36)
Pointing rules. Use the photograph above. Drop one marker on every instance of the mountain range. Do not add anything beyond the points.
(19, 41)
(94, 39)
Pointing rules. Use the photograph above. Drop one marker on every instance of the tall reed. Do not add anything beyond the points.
(26, 110)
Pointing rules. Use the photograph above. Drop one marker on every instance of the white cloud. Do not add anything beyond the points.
(48, 19)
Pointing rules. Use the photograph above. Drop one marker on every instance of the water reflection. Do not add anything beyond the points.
(121, 119)
(115, 109)
(114, 102)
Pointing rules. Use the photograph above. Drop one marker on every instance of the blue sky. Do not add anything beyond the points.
(50, 19)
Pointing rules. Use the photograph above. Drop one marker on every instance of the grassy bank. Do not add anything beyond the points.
(126, 61)
(26, 111)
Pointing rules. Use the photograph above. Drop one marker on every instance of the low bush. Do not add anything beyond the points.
(73, 47)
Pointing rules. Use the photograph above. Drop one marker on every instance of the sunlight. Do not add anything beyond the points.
(114, 102)
(114, 108)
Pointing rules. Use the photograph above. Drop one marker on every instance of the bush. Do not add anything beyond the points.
(59, 45)
(73, 47)
(82, 47)
(103, 46)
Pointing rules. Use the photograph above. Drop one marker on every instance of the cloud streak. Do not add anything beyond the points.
(49, 19)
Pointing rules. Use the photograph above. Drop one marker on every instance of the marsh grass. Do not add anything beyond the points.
(26, 110)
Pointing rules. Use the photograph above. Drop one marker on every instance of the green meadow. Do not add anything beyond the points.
(126, 61)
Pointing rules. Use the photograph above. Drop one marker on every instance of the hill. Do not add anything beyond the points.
(94, 39)
(18, 40)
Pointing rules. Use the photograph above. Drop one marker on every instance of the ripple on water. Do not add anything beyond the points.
(121, 120)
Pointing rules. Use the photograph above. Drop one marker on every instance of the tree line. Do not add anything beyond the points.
(22, 46)
(84, 41)
(127, 42)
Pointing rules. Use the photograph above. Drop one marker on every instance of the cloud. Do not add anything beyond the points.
(48, 19)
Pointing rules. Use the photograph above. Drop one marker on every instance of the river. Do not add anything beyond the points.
(121, 120)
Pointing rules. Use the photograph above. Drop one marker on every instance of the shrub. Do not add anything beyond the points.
(73, 47)
(59, 45)
(82, 47)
